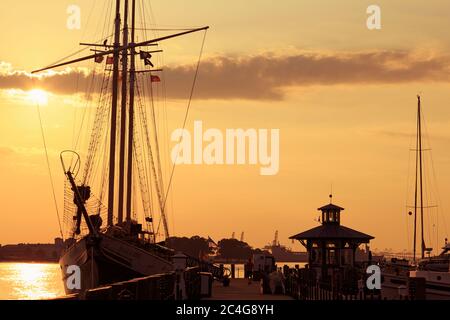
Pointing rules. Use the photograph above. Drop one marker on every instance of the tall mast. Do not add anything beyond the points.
(415, 187)
(112, 145)
(418, 185)
(131, 113)
(123, 113)
(422, 244)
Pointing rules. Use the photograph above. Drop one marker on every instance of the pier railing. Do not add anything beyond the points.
(303, 284)
(178, 285)
(155, 287)
(193, 283)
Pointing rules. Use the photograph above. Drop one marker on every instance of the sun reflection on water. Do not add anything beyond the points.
(30, 281)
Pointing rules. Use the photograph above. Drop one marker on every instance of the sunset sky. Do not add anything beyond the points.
(343, 97)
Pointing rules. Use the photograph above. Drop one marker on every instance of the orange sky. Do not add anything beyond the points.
(342, 96)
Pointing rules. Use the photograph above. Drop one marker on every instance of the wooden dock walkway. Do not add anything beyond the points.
(239, 289)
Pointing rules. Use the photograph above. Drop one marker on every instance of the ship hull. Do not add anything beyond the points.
(437, 284)
(106, 260)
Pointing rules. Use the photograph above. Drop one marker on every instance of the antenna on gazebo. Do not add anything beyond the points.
(331, 193)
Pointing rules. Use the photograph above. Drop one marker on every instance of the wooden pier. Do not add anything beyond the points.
(181, 286)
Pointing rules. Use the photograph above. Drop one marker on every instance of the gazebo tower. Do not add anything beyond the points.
(331, 246)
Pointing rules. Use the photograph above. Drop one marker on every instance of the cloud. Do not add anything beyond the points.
(69, 81)
(264, 76)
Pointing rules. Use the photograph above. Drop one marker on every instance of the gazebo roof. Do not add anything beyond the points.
(329, 207)
(332, 231)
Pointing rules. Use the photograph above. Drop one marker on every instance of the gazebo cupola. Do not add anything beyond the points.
(331, 213)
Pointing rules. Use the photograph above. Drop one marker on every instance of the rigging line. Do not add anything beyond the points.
(75, 137)
(427, 201)
(89, 88)
(406, 199)
(166, 132)
(438, 194)
(49, 170)
(159, 189)
(187, 113)
(105, 162)
(164, 29)
(76, 52)
(68, 56)
(146, 188)
(149, 146)
(78, 74)
(433, 183)
(157, 150)
(102, 113)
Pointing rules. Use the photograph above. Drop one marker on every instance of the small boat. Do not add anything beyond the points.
(439, 263)
(437, 283)
(436, 272)
(283, 253)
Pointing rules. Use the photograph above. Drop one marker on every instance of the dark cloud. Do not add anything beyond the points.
(65, 82)
(266, 76)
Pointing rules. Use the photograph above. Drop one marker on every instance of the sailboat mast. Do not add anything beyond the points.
(131, 113)
(112, 143)
(123, 113)
(415, 187)
(422, 244)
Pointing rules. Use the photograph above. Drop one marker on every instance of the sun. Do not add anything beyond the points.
(38, 96)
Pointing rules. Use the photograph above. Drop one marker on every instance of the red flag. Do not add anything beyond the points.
(155, 79)
(109, 60)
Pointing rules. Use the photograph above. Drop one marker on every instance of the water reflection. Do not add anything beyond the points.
(30, 281)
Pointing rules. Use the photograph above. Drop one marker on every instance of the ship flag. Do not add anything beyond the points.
(155, 78)
(146, 56)
(98, 59)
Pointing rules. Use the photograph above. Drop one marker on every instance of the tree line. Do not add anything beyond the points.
(199, 247)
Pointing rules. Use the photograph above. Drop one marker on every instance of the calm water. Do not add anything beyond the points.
(30, 281)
